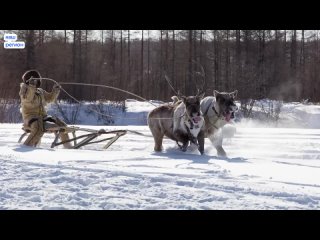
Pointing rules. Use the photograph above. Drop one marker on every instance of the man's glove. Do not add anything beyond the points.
(32, 82)
(56, 86)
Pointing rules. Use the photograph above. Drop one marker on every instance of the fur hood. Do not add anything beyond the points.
(32, 74)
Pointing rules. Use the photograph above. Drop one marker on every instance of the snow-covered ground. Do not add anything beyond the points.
(266, 168)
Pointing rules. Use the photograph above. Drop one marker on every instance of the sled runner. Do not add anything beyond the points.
(86, 139)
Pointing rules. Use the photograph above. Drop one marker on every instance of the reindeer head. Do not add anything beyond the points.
(226, 104)
(192, 104)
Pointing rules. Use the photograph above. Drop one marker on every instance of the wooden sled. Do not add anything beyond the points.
(86, 139)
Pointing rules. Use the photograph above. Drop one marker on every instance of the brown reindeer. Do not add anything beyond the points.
(180, 121)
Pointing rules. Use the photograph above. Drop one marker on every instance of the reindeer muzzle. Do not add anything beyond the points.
(196, 119)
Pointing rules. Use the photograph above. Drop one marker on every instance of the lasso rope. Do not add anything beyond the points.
(100, 85)
(104, 86)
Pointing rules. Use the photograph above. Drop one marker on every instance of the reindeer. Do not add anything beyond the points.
(180, 121)
(217, 111)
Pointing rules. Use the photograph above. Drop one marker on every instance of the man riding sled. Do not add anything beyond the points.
(33, 102)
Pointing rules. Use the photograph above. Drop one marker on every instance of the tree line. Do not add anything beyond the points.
(276, 64)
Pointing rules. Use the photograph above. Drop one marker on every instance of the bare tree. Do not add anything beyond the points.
(141, 65)
(148, 67)
(30, 47)
(173, 59)
(302, 65)
(227, 63)
(259, 63)
(129, 60)
(65, 37)
(121, 60)
(189, 86)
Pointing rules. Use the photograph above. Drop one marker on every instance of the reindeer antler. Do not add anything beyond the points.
(203, 77)
(171, 85)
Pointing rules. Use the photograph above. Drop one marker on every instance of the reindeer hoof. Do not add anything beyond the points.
(222, 154)
(158, 149)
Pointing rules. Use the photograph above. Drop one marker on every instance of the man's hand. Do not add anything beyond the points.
(56, 86)
(32, 82)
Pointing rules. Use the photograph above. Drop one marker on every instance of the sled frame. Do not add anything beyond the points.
(86, 139)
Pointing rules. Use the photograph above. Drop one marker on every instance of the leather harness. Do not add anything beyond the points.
(205, 115)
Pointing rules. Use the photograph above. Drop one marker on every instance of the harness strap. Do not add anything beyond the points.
(191, 137)
(206, 116)
(191, 123)
(206, 111)
(213, 108)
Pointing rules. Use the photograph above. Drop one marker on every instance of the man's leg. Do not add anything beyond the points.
(36, 133)
(63, 136)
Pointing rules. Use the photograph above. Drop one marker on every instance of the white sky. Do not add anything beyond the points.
(136, 34)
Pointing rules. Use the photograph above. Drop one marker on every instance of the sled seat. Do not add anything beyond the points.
(49, 126)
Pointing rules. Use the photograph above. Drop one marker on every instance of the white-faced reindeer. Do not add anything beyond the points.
(217, 111)
(180, 121)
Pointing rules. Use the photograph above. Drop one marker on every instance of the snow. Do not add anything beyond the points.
(86, 114)
(292, 115)
(266, 168)
(133, 112)
(307, 115)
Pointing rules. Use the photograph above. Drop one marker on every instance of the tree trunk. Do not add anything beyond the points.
(302, 66)
(189, 84)
(141, 65)
(227, 80)
(149, 84)
(293, 64)
(173, 60)
(74, 52)
(261, 84)
(216, 82)
(277, 66)
(80, 63)
(85, 70)
(112, 53)
(160, 93)
(237, 76)
(293, 59)
(31, 63)
(65, 37)
(129, 62)
(121, 61)
(102, 38)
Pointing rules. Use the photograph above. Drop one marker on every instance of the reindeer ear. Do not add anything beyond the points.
(234, 94)
(215, 93)
(175, 99)
(184, 99)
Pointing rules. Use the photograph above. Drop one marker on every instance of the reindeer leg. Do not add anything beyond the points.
(201, 142)
(180, 146)
(192, 138)
(183, 138)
